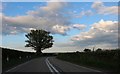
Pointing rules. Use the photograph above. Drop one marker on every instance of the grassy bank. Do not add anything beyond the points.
(12, 58)
(104, 60)
(6, 65)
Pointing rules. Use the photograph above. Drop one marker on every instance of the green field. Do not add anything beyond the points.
(103, 60)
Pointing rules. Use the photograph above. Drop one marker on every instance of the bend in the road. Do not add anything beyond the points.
(51, 67)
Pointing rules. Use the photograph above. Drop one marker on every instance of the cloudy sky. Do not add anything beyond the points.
(74, 25)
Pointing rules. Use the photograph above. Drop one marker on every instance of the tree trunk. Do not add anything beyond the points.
(38, 52)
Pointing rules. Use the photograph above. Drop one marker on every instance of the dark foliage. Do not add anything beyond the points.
(99, 50)
(12, 57)
(106, 60)
(87, 50)
(14, 54)
(39, 40)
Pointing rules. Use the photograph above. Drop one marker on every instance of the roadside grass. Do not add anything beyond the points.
(13, 62)
(108, 61)
(6, 65)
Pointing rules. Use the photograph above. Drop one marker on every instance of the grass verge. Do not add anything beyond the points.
(100, 61)
(6, 65)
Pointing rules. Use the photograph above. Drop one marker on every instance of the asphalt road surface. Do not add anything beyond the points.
(51, 65)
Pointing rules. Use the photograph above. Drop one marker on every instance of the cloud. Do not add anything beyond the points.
(86, 13)
(79, 26)
(63, 29)
(50, 17)
(1, 8)
(102, 9)
(60, 29)
(102, 34)
(82, 13)
(45, 17)
(53, 6)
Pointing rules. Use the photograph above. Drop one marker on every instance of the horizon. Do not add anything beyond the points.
(73, 25)
(56, 52)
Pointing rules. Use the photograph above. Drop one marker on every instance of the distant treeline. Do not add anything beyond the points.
(104, 59)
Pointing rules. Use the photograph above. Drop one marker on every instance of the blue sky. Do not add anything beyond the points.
(74, 25)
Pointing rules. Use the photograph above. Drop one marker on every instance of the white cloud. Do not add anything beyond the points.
(79, 26)
(45, 17)
(60, 29)
(49, 17)
(101, 34)
(82, 13)
(102, 9)
(1, 8)
(53, 6)
(86, 13)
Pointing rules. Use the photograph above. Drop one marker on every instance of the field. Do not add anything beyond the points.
(104, 60)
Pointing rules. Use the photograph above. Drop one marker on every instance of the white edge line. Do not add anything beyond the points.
(18, 66)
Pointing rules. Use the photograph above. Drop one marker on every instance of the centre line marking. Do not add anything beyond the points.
(50, 65)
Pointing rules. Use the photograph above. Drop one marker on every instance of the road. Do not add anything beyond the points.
(51, 65)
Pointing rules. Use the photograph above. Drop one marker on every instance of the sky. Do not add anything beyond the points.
(73, 25)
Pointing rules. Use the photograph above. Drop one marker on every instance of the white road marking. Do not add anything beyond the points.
(52, 66)
(48, 66)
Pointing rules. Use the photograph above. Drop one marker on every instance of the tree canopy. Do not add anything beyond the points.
(39, 40)
(87, 50)
(99, 50)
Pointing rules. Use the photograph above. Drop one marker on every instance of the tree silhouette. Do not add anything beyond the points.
(87, 50)
(99, 50)
(39, 40)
